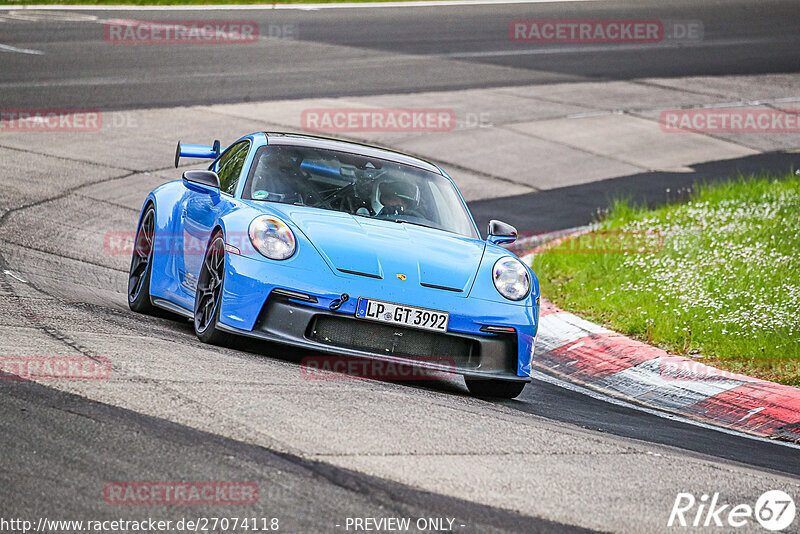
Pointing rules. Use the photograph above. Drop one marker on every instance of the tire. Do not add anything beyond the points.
(142, 265)
(209, 293)
(499, 389)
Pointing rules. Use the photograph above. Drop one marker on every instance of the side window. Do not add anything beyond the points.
(230, 166)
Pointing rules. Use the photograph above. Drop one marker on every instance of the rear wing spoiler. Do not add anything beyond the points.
(197, 151)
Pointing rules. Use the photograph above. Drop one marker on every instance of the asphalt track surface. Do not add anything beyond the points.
(74, 445)
(569, 207)
(390, 50)
(69, 431)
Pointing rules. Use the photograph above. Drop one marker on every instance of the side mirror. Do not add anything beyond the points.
(501, 233)
(202, 182)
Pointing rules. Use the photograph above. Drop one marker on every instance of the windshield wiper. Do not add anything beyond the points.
(415, 224)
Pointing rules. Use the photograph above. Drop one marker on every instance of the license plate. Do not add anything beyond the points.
(389, 312)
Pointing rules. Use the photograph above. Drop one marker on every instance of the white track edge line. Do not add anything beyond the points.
(9, 48)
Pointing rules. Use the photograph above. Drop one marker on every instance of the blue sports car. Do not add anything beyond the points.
(337, 247)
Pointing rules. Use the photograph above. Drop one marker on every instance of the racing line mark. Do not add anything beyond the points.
(752, 412)
(15, 277)
(9, 48)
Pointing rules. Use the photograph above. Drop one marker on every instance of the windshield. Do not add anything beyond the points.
(358, 185)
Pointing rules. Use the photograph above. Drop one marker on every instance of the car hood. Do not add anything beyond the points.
(373, 248)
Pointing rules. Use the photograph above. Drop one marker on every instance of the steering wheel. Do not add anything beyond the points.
(392, 211)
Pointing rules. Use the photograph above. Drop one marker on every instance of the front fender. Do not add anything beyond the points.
(249, 276)
(484, 289)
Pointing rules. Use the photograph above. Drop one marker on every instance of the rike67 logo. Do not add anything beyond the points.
(774, 510)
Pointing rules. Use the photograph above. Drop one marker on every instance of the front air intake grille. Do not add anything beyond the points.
(390, 340)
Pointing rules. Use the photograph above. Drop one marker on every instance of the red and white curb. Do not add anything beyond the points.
(603, 360)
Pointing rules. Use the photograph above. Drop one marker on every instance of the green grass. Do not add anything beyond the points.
(171, 2)
(716, 278)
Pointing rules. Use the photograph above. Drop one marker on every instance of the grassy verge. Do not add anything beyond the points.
(171, 2)
(716, 278)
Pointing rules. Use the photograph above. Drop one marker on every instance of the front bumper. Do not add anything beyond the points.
(250, 308)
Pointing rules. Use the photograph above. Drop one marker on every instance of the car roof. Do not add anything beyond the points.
(280, 138)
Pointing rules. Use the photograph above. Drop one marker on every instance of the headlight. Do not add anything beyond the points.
(272, 238)
(511, 278)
